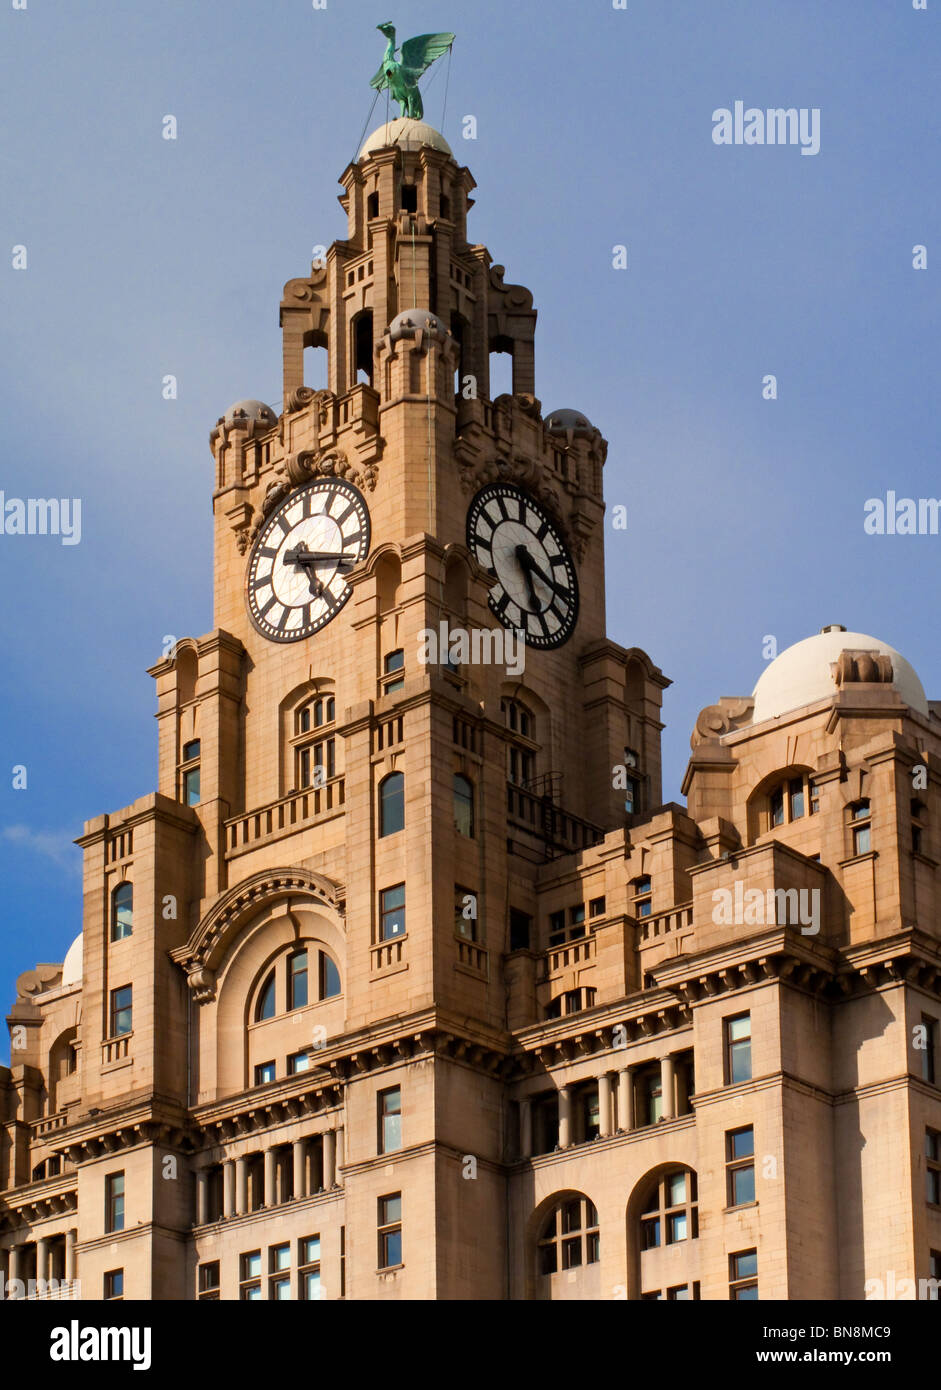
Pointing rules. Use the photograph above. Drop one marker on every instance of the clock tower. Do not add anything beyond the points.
(417, 803)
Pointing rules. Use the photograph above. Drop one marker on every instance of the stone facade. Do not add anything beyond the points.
(587, 1059)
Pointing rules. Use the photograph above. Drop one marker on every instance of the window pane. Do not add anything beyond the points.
(297, 980)
(310, 1250)
(281, 1257)
(676, 1227)
(650, 1233)
(572, 1253)
(463, 807)
(312, 1290)
(393, 1248)
(395, 661)
(191, 750)
(122, 911)
(547, 1259)
(797, 798)
(777, 807)
(676, 1189)
(266, 1000)
(329, 977)
(392, 911)
(191, 787)
(745, 1265)
(740, 1062)
(392, 804)
(391, 1210)
(281, 1289)
(747, 1295)
(251, 1265)
(741, 1143)
(743, 1185)
(862, 840)
(740, 1027)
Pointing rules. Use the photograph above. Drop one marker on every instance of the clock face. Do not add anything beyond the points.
(536, 589)
(297, 572)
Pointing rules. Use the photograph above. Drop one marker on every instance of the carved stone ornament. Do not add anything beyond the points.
(732, 712)
(297, 399)
(862, 666)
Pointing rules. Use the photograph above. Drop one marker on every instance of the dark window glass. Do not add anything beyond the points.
(121, 1011)
(329, 977)
(392, 912)
(122, 911)
(114, 1202)
(796, 788)
(266, 1000)
(463, 806)
(392, 803)
(521, 925)
(191, 750)
(114, 1283)
(738, 1047)
(777, 806)
(297, 980)
(264, 1072)
(191, 787)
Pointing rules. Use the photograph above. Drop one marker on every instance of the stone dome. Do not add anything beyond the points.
(408, 134)
(72, 965)
(253, 411)
(561, 421)
(806, 673)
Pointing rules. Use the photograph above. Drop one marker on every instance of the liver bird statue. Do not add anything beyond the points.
(401, 75)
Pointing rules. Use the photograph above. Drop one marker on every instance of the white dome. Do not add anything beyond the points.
(804, 674)
(408, 134)
(72, 965)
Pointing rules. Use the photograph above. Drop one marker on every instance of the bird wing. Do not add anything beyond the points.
(380, 79)
(419, 53)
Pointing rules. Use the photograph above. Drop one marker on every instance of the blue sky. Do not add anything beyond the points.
(148, 257)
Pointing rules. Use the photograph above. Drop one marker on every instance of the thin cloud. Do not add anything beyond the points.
(57, 846)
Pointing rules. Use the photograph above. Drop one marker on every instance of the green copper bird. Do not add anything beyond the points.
(401, 75)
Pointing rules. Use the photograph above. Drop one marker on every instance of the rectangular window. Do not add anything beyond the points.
(121, 1011)
(300, 1061)
(642, 900)
(743, 1275)
(521, 927)
(465, 912)
(556, 928)
(207, 1282)
(279, 1277)
(250, 1277)
(191, 786)
(651, 1094)
(738, 1049)
(114, 1202)
(740, 1166)
(862, 840)
(114, 1283)
(596, 907)
(297, 980)
(390, 1120)
(796, 789)
(390, 1231)
(392, 912)
(776, 802)
(308, 1270)
(265, 1072)
(933, 1167)
(929, 1058)
(814, 798)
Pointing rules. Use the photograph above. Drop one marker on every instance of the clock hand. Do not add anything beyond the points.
(300, 556)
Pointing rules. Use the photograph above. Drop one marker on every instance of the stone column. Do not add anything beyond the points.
(667, 1103)
(241, 1186)
(604, 1104)
(42, 1259)
(17, 1263)
(316, 1166)
(329, 1159)
(526, 1128)
(565, 1117)
(341, 1134)
(228, 1187)
(299, 1156)
(202, 1197)
(626, 1100)
(70, 1236)
(271, 1172)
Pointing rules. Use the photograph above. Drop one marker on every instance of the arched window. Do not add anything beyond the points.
(569, 1237)
(463, 806)
(329, 977)
(265, 1008)
(314, 742)
(670, 1212)
(392, 803)
(122, 911)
